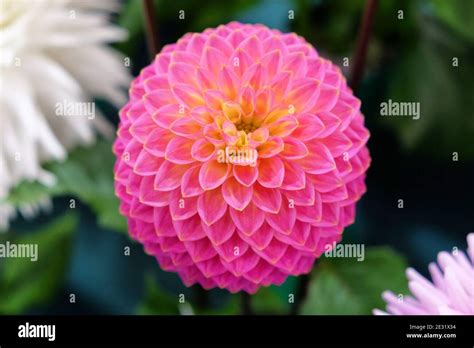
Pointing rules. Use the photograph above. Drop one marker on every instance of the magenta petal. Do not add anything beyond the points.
(271, 172)
(249, 219)
(235, 194)
(221, 230)
(284, 220)
(211, 206)
(213, 174)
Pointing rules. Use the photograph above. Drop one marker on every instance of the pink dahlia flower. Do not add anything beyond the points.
(240, 155)
(451, 292)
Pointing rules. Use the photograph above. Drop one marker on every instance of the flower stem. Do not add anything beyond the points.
(245, 304)
(301, 292)
(363, 37)
(151, 28)
(201, 297)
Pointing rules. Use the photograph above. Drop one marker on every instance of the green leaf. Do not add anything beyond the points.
(86, 174)
(157, 301)
(347, 286)
(25, 283)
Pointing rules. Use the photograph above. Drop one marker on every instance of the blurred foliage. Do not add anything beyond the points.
(25, 283)
(86, 174)
(346, 286)
(156, 301)
(458, 15)
(436, 72)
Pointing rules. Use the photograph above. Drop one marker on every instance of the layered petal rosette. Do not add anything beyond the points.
(240, 155)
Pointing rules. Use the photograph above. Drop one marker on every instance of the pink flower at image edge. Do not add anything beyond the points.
(451, 291)
(240, 154)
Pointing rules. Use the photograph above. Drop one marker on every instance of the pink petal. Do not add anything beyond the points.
(252, 47)
(187, 95)
(294, 149)
(309, 127)
(182, 208)
(142, 127)
(221, 230)
(296, 64)
(311, 214)
(213, 59)
(272, 62)
(327, 182)
(271, 172)
(220, 44)
(179, 150)
(319, 160)
(202, 150)
(211, 206)
(147, 164)
(240, 61)
(246, 175)
(169, 176)
(232, 249)
(155, 100)
(259, 239)
(186, 127)
(190, 183)
(205, 79)
(304, 196)
(228, 82)
(273, 252)
(181, 73)
(248, 220)
(235, 194)
(167, 114)
(189, 229)
(213, 174)
(281, 85)
(267, 199)
(149, 196)
(200, 250)
(295, 178)
(337, 143)
(247, 102)
(284, 220)
(157, 141)
(304, 96)
(284, 126)
(162, 222)
(273, 146)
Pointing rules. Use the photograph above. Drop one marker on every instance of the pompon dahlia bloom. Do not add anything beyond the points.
(241, 154)
(450, 292)
(52, 53)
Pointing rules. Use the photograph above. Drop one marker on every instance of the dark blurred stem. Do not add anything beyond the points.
(363, 37)
(151, 28)
(201, 297)
(301, 292)
(245, 304)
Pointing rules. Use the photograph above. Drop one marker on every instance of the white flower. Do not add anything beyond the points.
(54, 59)
(451, 291)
